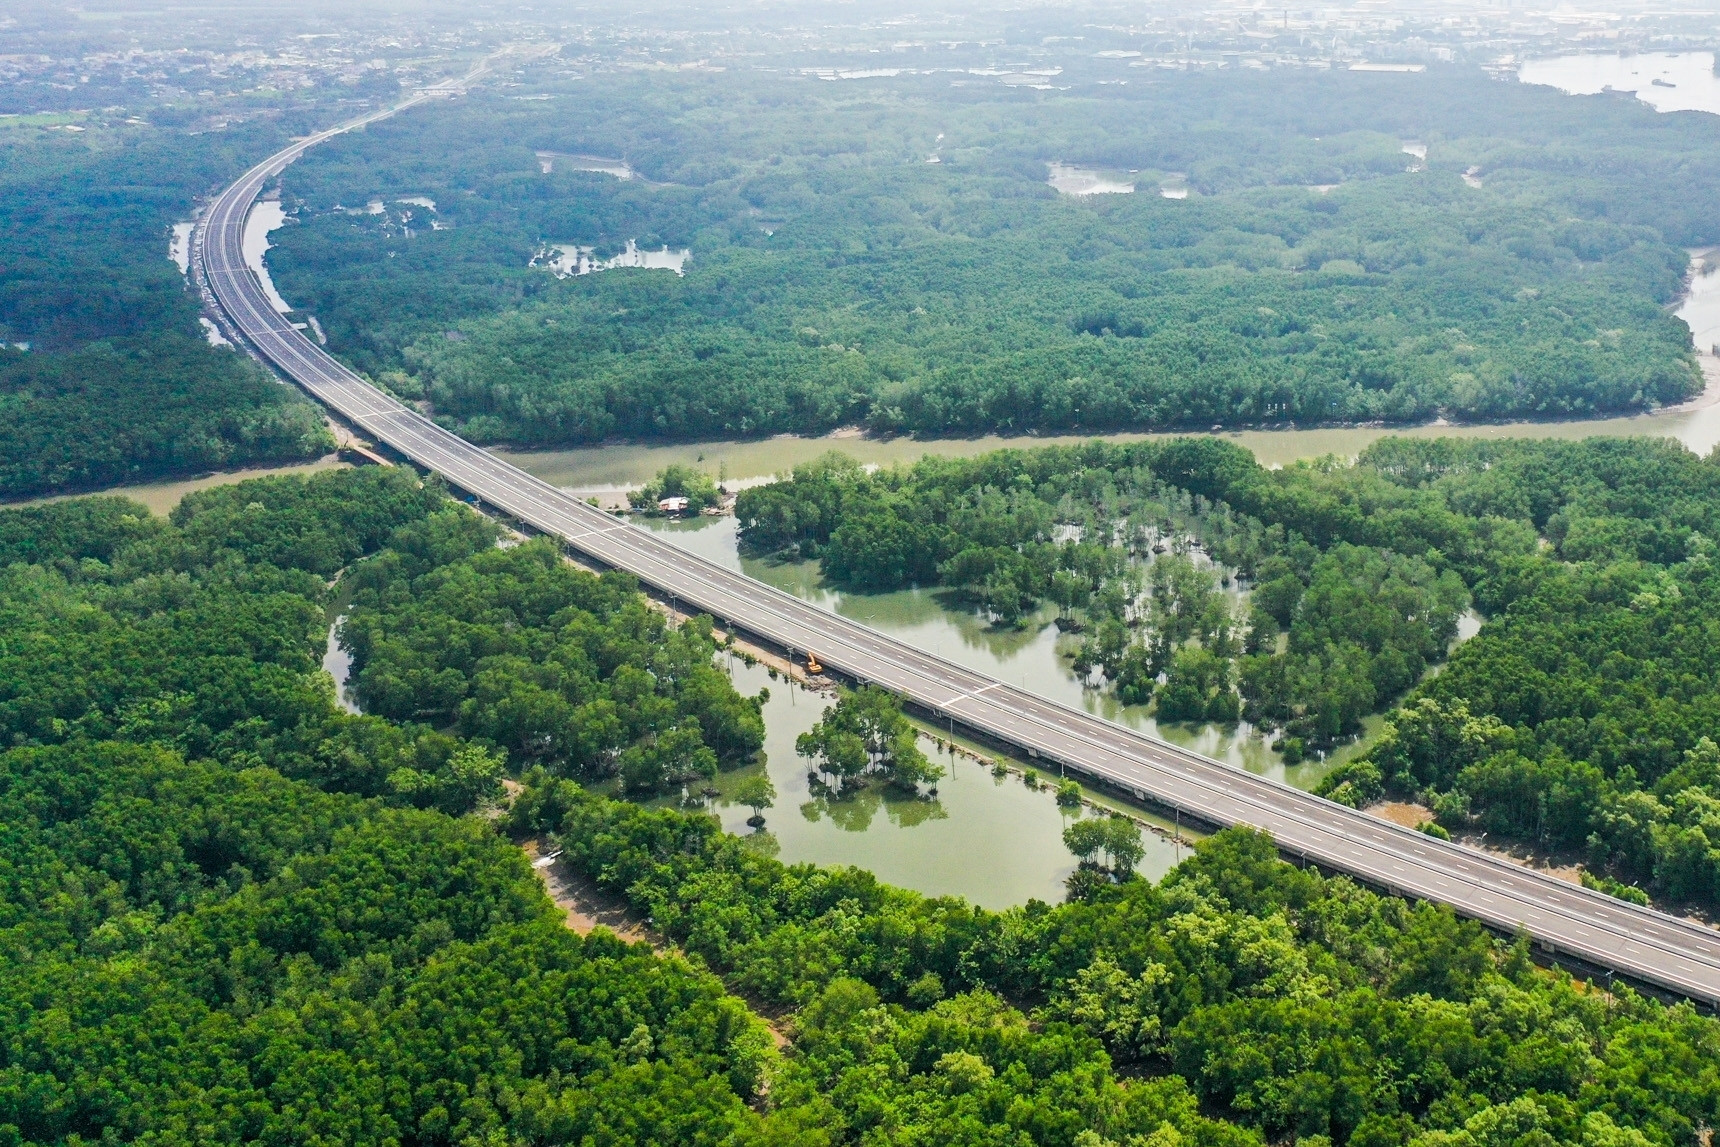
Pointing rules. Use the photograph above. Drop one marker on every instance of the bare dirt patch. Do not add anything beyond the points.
(1406, 813)
(1556, 865)
(1412, 815)
(586, 904)
(587, 907)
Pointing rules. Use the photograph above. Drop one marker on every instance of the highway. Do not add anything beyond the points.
(1647, 946)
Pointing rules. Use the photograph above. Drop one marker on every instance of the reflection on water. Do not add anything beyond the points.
(1667, 81)
(855, 812)
(179, 247)
(565, 260)
(989, 839)
(337, 663)
(1032, 657)
(619, 168)
(265, 217)
(1071, 180)
(1701, 308)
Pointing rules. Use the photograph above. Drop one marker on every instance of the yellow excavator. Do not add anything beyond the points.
(812, 665)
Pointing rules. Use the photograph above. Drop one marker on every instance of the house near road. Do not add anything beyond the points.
(672, 505)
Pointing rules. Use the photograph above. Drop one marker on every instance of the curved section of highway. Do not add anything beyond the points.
(1644, 945)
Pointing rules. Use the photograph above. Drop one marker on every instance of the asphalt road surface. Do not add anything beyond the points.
(1567, 920)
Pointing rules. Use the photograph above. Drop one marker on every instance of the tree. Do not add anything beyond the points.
(1136, 676)
(866, 732)
(758, 794)
(1087, 839)
(1116, 837)
(677, 481)
(1194, 686)
(673, 757)
(1070, 591)
(1425, 745)
(1002, 597)
(908, 767)
(1121, 1009)
(836, 751)
(472, 776)
(1123, 843)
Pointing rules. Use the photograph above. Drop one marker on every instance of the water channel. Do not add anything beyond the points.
(606, 472)
(161, 497)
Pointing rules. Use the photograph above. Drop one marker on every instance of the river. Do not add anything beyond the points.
(1667, 81)
(608, 471)
(161, 497)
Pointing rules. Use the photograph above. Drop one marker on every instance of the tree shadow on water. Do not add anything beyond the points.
(853, 809)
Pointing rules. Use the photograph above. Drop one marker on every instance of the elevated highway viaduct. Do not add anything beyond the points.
(1584, 927)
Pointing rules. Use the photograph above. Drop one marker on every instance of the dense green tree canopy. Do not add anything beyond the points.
(1583, 715)
(1574, 719)
(836, 277)
(1120, 539)
(865, 734)
(1284, 1003)
(232, 913)
(213, 925)
(518, 648)
(105, 375)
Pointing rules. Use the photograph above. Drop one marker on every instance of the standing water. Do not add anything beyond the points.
(607, 471)
(1031, 656)
(1667, 81)
(1000, 843)
(984, 837)
(995, 841)
(991, 839)
(179, 248)
(264, 218)
(1072, 180)
(337, 663)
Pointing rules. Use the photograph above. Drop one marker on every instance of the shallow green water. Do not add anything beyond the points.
(989, 839)
(997, 842)
(1030, 657)
(992, 840)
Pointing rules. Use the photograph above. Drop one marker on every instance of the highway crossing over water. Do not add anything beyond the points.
(1651, 947)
